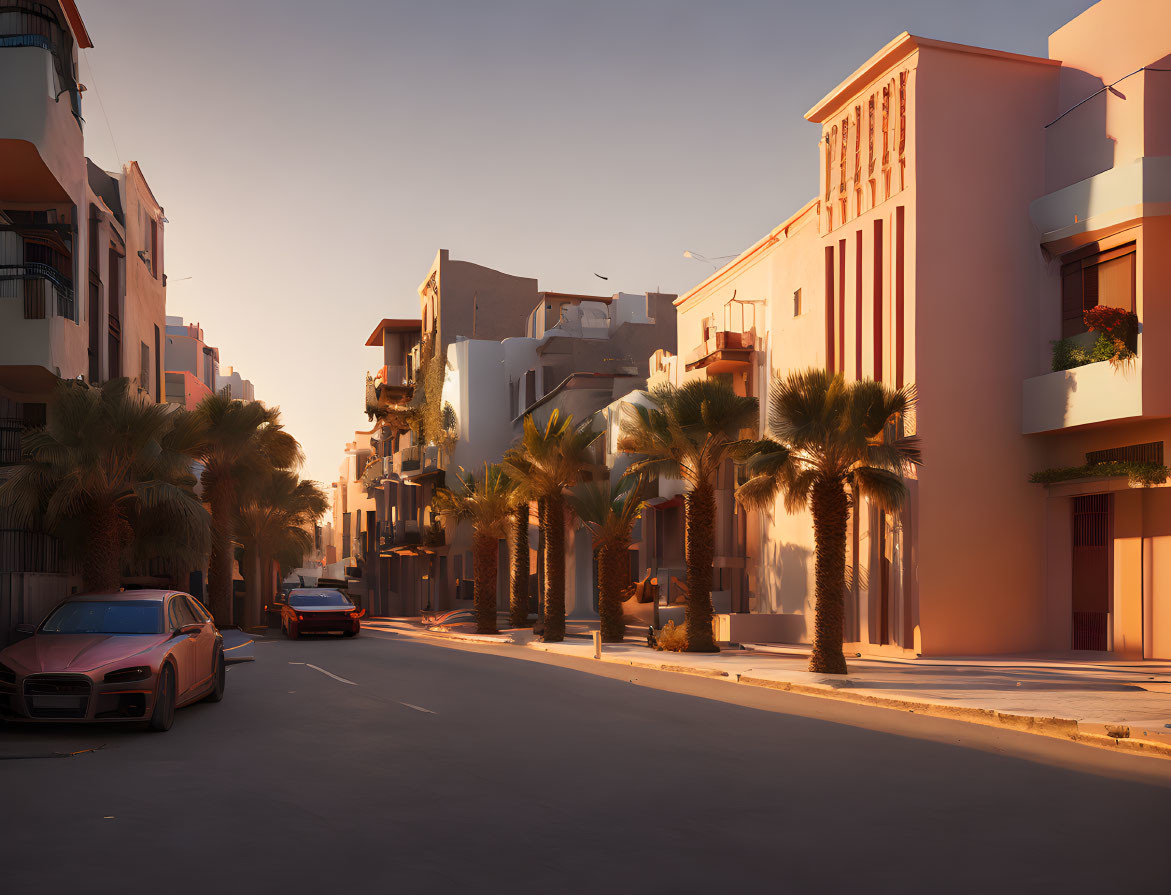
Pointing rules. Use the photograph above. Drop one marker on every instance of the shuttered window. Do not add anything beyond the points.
(1090, 278)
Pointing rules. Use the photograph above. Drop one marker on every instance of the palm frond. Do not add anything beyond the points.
(885, 489)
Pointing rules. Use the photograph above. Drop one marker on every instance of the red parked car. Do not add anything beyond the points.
(319, 610)
(129, 656)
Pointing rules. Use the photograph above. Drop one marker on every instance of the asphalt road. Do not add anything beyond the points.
(412, 767)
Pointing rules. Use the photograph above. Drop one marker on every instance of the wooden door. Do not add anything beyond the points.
(1091, 572)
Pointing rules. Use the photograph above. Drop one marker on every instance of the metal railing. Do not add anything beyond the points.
(26, 23)
(30, 551)
(10, 435)
(35, 276)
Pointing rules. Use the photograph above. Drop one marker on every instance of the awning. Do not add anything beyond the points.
(664, 503)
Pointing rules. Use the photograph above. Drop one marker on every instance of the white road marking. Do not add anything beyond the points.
(296, 663)
(417, 708)
(330, 674)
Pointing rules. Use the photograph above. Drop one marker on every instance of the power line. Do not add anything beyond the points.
(97, 90)
(1109, 87)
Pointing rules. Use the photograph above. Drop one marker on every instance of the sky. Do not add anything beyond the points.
(313, 157)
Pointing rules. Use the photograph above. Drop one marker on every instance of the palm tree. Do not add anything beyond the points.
(518, 595)
(486, 502)
(271, 524)
(240, 440)
(689, 433)
(550, 459)
(108, 472)
(828, 439)
(609, 512)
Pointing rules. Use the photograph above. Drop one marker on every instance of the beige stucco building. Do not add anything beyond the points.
(82, 282)
(971, 205)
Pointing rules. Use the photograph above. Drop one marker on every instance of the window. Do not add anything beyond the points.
(182, 612)
(144, 370)
(197, 609)
(797, 303)
(1092, 277)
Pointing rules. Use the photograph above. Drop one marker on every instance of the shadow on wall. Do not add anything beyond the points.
(786, 584)
(1083, 127)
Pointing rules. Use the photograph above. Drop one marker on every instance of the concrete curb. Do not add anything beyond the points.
(1061, 728)
(499, 639)
(1040, 725)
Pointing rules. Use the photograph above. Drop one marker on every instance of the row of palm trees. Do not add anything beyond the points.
(828, 443)
(113, 476)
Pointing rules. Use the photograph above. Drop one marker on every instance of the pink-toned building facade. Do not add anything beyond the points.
(970, 205)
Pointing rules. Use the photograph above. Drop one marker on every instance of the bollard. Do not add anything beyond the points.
(597, 644)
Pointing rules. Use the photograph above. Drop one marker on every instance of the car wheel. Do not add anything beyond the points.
(164, 711)
(349, 633)
(221, 678)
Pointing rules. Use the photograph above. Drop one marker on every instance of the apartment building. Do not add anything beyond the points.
(578, 355)
(82, 282)
(193, 366)
(971, 206)
(452, 390)
(406, 567)
(239, 388)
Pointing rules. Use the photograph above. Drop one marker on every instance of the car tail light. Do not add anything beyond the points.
(127, 675)
(356, 613)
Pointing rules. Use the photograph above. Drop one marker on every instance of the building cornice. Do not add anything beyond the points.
(774, 236)
(898, 49)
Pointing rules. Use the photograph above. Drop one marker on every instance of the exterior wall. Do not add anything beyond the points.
(144, 316)
(459, 298)
(187, 351)
(1109, 40)
(755, 294)
(182, 388)
(969, 213)
(241, 389)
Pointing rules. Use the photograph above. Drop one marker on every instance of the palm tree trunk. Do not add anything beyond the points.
(831, 516)
(484, 572)
(101, 565)
(701, 514)
(554, 569)
(542, 549)
(253, 583)
(518, 602)
(613, 573)
(219, 571)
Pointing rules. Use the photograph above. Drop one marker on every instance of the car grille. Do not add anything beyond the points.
(57, 695)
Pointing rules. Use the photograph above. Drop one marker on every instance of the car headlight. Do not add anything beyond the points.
(7, 675)
(126, 675)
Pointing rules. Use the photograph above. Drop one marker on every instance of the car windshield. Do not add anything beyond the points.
(106, 617)
(309, 598)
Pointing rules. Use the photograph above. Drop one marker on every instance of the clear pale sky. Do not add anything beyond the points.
(312, 157)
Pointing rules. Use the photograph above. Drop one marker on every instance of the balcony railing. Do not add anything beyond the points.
(722, 351)
(410, 458)
(44, 289)
(27, 23)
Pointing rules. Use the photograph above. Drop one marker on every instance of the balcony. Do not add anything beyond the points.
(387, 395)
(723, 351)
(399, 537)
(40, 108)
(417, 461)
(1095, 393)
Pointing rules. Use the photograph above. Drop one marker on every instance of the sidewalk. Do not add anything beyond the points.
(1122, 706)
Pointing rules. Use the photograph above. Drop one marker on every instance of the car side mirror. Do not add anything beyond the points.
(187, 629)
(26, 630)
